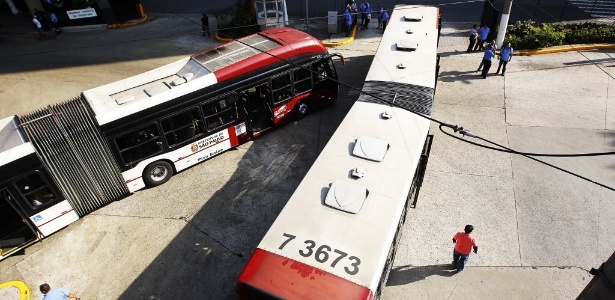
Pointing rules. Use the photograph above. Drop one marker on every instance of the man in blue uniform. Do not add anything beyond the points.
(483, 35)
(56, 294)
(505, 56)
(348, 20)
(385, 20)
(489, 54)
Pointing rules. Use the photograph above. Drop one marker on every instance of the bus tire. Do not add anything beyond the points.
(301, 110)
(157, 173)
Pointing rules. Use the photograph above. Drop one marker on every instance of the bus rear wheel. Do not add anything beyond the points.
(301, 110)
(157, 173)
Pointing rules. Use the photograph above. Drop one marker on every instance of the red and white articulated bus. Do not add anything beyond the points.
(64, 161)
(336, 237)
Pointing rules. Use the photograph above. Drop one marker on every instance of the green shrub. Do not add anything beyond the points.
(532, 35)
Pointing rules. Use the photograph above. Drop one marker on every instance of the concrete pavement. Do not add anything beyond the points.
(539, 230)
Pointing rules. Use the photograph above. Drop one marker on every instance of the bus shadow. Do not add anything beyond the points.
(403, 275)
(205, 258)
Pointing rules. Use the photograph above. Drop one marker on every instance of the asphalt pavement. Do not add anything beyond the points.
(539, 229)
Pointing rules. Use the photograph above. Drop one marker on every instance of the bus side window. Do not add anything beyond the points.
(182, 127)
(282, 90)
(139, 144)
(35, 190)
(220, 112)
(302, 80)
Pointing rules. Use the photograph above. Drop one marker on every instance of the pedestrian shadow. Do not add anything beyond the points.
(407, 274)
(459, 76)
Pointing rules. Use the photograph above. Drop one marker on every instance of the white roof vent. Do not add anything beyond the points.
(346, 196)
(413, 17)
(124, 99)
(386, 115)
(370, 148)
(358, 172)
(409, 31)
(407, 45)
(182, 79)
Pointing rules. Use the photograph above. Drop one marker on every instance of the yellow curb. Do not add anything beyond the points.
(144, 18)
(344, 42)
(565, 48)
(24, 291)
(221, 39)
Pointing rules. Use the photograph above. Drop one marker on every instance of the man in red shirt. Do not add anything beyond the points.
(464, 243)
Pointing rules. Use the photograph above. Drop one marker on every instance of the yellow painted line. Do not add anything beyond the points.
(565, 48)
(344, 42)
(24, 291)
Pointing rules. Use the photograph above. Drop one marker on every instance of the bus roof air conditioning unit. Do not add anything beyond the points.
(413, 17)
(346, 196)
(407, 45)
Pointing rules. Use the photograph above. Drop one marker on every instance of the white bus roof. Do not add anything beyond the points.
(125, 97)
(122, 98)
(13, 146)
(364, 234)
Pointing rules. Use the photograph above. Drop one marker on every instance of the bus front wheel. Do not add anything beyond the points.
(157, 173)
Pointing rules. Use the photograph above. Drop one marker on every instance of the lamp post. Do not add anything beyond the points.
(504, 22)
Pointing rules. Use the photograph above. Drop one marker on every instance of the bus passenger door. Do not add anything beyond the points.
(257, 102)
(325, 83)
(15, 230)
(42, 202)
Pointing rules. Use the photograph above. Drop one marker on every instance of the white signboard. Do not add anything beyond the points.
(81, 13)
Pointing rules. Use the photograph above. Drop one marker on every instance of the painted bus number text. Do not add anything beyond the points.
(323, 253)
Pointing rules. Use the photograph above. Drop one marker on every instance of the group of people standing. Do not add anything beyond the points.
(478, 42)
(351, 14)
(44, 21)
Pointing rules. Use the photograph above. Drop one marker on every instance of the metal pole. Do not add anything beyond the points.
(307, 19)
(12, 7)
(504, 22)
(563, 10)
(536, 9)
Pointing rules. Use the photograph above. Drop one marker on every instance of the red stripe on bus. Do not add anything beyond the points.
(63, 213)
(271, 276)
(233, 136)
(131, 180)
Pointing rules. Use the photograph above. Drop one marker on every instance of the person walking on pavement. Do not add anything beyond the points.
(380, 13)
(505, 56)
(489, 45)
(464, 242)
(205, 24)
(38, 26)
(56, 294)
(366, 14)
(348, 20)
(483, 35)
(385, 20)
(473, 35)
(487, 58)
(362, 8)
(54, 23)
(354, 11)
